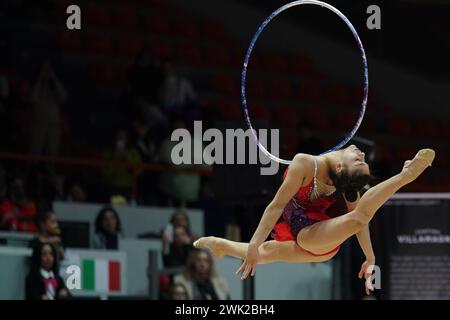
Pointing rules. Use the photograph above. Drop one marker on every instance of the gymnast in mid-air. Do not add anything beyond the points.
(296, 217)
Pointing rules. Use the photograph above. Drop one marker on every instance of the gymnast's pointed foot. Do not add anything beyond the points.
(414, 168)
(211, 243)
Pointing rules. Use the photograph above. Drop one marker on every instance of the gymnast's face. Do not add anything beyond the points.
(354, 161)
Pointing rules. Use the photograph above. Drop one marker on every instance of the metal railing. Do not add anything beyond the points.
(135, 168)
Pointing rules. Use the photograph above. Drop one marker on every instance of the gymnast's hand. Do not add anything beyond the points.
(250, 262)
(366, 271)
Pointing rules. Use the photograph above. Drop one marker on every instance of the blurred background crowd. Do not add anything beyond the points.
(86, 117)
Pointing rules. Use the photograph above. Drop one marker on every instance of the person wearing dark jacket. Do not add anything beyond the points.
(43, 281)
(179, 249)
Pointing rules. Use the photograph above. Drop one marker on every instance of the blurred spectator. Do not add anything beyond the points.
(147, 143)
(44, 186)
(181, 188)
(46, 96)
(49, 232)
(43, 281)
(108, 230)
(176, 253)
(178, 292)
(178, 218)
(145, 81)
(176, 91)
(121, 179)
(74, 191)
(201, 279)
(4, 116)
(17, 212)
(2, 183)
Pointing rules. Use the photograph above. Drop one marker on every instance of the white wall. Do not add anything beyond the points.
(294, 281)
(135, 220)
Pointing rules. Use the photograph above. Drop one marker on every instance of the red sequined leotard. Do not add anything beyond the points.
(305, 208)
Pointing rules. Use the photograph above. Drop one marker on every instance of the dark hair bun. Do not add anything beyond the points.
(351, 196)
(349, 185)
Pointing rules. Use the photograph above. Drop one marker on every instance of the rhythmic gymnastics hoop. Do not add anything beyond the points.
(247, 58)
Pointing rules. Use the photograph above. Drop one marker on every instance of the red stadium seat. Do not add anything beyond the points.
(404, 152)
(259, 112)
(368, 126)
(98, 43)
(317, 117)
(344, 121)
(355, 98)
(160, 50)
(157, 24)
(224, 84)
(101, 71)
(285, 116)
(279, 88)
(213, 30)
(255, 88)
(217, 56)
(310, 91)
(229, 110)
(185, 28)
(337, 94)
(301, 65)
(124, 19)
(442, 159)
(444, 129)
(426, 128)
(385, 152)
(273, 62)
(61, 6)
(95, 16)
(188, 53)
(398, 125)
(68, 40)
(128, 45)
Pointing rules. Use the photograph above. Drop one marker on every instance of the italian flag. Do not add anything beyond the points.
(100, 275)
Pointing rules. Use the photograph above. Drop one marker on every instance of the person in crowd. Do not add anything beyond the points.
(5, 94)
(108, 230)
(178, 251)
(176, 91)
(145, 81)
(44, 187)
(48, 232)
(47, 95)
(75, 191)
(147, 143)
(178, 218)
(121, 179)
(17, 211)
(181, 188)
(43, 281)
(2, 183)
(178, 292)
(201, 279)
